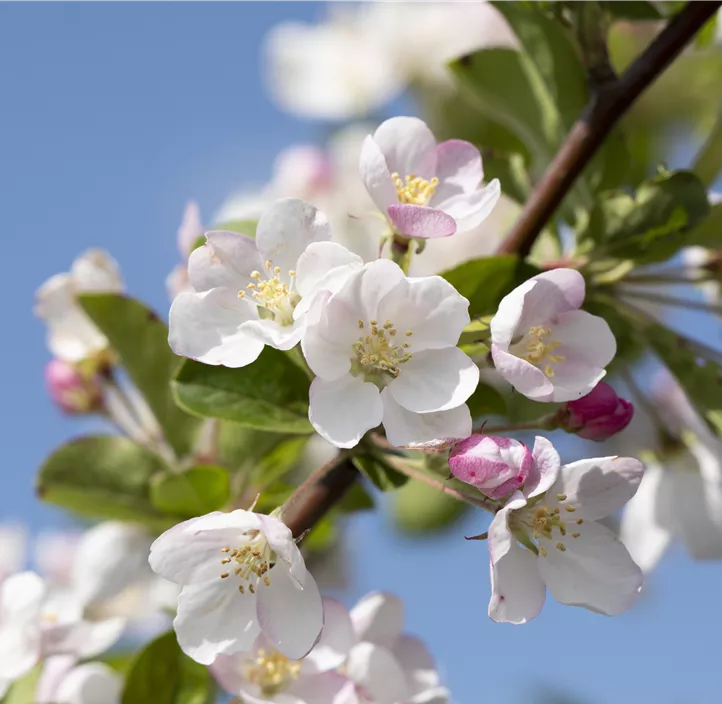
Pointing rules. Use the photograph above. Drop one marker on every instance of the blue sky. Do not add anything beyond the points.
(112, 117)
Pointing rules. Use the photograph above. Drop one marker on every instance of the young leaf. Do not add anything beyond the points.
(102, 477)
(270, 394)
(140, 340)
(193, 492)
(162, 674)
(242, 227)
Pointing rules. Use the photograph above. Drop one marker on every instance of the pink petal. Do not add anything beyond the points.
(421, 221)
(458, 168)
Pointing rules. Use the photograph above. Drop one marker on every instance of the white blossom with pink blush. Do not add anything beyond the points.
(248, 293)
(425, 189)
(562, 547)
(71, 335)
(190, 231)
(242, 576)
(383, 348)
(543, 345)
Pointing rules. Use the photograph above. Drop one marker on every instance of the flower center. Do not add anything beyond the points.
(271, 672)
(415, 190)
(541, 521)
(377, 354)
(272, 294)
(253, 560)
(537, 348)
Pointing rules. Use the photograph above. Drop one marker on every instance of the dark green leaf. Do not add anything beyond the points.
(708, 233)
(270, 394)
(239, 448)
(355, 499)
(162, 674)
(486, 281)
(418, 508)
(242, 227)
(102, 477)
(652, 226)
(486, 401)
(632, 10)
(192, 492)
(381, 474)
(140, 340)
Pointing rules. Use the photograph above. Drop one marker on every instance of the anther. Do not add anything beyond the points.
(241, 589)
(543, 551)
(267, 581)
(575, 534)
(561, 497)
(570, 509)
(360, 324)
(580, 521)
(268, 264)
(561, 547)
(251, 589)
(224, 575)
(255, 274)
(226, 549)
(225, 560)
(276, 269)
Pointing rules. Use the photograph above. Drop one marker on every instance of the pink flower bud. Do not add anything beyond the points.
(598, 415)
(494, 465)
(73, 391)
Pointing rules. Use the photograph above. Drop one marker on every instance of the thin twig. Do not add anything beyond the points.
(605, 109)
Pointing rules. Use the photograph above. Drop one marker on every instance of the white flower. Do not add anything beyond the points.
(71, 335)
(362, 657)
(242, 575)
(384, 351)
(249, 291)
(425, 189)
(13, 549)
(581, 562)
(543, 345)
(189, 232)
(63, 681)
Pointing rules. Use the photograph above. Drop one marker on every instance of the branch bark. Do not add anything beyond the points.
(607, 105)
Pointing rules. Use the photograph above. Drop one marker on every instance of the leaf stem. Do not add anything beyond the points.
(607, 105)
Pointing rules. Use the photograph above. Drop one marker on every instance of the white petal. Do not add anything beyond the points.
(91, 683)
(342, 411)
(408, 146)
(281, 541)
(597, 487)
(595, 571)
(327, 688)
(336, 641)
(437, 695)
(377, 673)
(190, 552)
(54, 671)
(214, 618)
(458, 168)
(517, 589)
(435, 380)
(191, 228)
(522, 375)
(21, 596)
(545, 468)
(471, 209)
(229, 670)
(431, 308)
(96, 271)
(13, 549)
(20, 649)
(290, 617)
(321, 258)
(378, 618)
(205, 326)
(376, 175)
(407, 429)
(226, 260)
(417, 663)
(83, 639)
(269, 332)
(108, 557)
(365, 290)
(639, 529)
(286, 229)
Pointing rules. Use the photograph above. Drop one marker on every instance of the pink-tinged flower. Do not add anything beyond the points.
(543, 345)
(189, 232)
(563, 548)
(494, 465)
(598, 415)
(426, 190)
(383, 349)
(72, 389)
(242, 576)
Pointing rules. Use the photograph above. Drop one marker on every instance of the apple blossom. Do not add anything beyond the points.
(383, 348)
(426, 190)
(543, 345)
(13, 549)
(494, 465)
(71, 335)
(598, 415)
(242, 576)
(247, 292)
(190, 231)
(63, 681)
(561, 546)
(74, 390)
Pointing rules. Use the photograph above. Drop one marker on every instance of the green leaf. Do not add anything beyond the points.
(102, 477)
(632, 10)
(486, 281)
(22, 691)
(708, 233)
(355, 499)
(652, 226)
(140, 340)
(242, 227)
(239, 448)
(418, 508)
(381, 474)
(192, 492)
(162, 674)
(278, 461)
(322, 536)
(486, 401)
(270, 394)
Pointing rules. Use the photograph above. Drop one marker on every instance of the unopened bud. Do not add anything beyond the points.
(72, 390)
(596, 416)
(496, 466)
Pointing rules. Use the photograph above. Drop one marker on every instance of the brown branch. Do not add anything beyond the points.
(605, 109)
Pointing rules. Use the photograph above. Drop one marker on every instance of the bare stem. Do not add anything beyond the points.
(607, 105)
